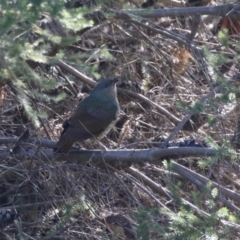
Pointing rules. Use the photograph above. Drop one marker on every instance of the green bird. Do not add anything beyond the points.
(94, 117)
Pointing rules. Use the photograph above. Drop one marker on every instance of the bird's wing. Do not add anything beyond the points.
(89, 121)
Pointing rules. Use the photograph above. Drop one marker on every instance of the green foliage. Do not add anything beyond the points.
(225, 151)
(223, 37)
(195, 108)
(147, 224)
(70, 210)
(74, 18)
(202, 218)
(184, 224)
(17, 17)
(223, 213)
(226, 95)
(214, 192)
(187, 222)
(18, 20)
(212, 120)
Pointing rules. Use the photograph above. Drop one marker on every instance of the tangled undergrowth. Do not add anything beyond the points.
(176, 72)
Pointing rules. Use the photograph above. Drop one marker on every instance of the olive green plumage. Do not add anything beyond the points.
(94, 117)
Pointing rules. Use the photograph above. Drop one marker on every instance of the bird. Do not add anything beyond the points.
(93, 118)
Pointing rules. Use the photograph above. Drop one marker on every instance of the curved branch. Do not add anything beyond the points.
(221, 10)
(153, 155)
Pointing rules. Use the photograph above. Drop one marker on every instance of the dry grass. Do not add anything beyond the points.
(59, 200)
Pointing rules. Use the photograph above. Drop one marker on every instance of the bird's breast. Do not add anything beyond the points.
(109, 126)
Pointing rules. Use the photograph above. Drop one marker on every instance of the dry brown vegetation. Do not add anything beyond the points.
(168, 170)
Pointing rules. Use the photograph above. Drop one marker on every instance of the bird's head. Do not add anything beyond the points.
(107, 86)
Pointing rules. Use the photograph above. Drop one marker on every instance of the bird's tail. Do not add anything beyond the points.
(63, 145)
